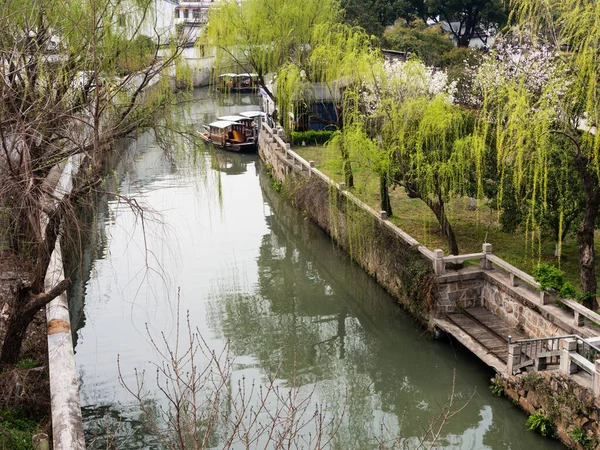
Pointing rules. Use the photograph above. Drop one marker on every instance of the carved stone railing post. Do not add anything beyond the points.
(567, 367)
(513, 352)
(439, 266)
(487, 250)
(596, 380)
(545, 298)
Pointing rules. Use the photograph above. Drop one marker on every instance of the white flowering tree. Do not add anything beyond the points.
(407, 129)
(540, 105)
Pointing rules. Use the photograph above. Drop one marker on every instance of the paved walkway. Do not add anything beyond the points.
(481, 332)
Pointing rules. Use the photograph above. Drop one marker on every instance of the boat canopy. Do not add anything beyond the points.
(221, 124)
(252, 75)
(228, 75)
(252, 114)
(233, 118)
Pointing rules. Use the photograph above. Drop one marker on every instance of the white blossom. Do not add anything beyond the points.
(402, 81)
(524, 62)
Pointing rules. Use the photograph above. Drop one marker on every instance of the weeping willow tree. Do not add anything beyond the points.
(313, 56)
(261, 36)
(341, 59)
(403, 126)
(75, 76)
(564, 102)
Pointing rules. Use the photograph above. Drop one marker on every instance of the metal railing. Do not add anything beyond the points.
(543, 352)
(534, 352)
(587, 350)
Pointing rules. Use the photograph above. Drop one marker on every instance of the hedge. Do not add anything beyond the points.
(311, 137)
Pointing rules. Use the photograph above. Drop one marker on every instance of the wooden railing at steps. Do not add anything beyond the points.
(437, 258)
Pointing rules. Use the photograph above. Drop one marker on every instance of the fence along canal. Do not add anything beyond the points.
(255, 273)
(496, 310)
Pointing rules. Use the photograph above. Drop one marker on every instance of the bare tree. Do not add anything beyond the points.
(74, 78)
(204, 409)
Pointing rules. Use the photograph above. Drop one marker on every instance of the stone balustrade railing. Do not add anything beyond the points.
(487, 259)
(570, 353)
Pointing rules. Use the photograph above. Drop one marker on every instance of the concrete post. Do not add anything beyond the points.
(545, 298)
(513, 280)
(383, 215)
(596, 380)
(287, 148)
(342, 186)
(40, 441)
(484, 263)
(311, 164)
(578, 319)
(567, 367)
(513, 353)
(439, 266)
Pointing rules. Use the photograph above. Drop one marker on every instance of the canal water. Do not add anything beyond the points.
(220, 249)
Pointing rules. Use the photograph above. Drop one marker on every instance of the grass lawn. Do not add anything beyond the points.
(470, 226)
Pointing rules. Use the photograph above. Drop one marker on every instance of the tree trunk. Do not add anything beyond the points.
(384, 191)
(437, 206)
(348, 175)
(27, 307)
(587, 257)
(585, 233)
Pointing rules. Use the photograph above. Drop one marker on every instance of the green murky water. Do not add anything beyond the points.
(252, 272)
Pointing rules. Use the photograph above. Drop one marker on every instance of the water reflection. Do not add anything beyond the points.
(255, 273)
(331, 324)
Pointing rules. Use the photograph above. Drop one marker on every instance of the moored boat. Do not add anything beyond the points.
(250, 128)
(237, 82)
(229, 135)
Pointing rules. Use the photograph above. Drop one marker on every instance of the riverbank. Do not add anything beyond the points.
(497, 287)
(25, 389)
(472, 225)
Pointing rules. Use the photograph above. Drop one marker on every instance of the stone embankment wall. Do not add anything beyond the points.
(572, 408)
(380, 252)
(406, 269)
(520, 312)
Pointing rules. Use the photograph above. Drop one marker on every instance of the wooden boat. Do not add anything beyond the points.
(237, 82)
(254, 115)
(229, 135)
(250, 128)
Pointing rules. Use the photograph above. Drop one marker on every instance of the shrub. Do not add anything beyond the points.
(311, 137)
(579, 436)
(16, 430)
(549, 277)
(540, 424)
(567, 290)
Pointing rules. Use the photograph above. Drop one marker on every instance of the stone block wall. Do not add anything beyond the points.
(517, 311)
(459, 289)
(565, 402)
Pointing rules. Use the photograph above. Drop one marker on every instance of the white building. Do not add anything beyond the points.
(192, 13)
